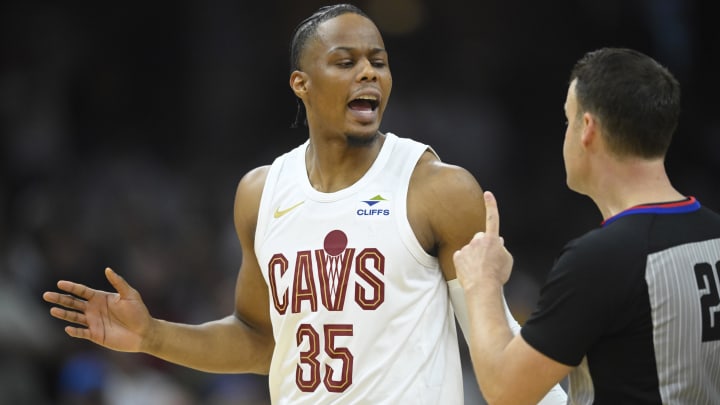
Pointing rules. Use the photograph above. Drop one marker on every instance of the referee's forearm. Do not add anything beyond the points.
(489, 336)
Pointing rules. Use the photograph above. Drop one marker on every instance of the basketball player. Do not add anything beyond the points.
(342, 295)
(630, 310)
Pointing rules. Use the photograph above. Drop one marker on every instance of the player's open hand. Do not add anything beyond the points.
(484, 258)
(118, 321)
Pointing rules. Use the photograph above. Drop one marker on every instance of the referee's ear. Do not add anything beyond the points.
(591, 130)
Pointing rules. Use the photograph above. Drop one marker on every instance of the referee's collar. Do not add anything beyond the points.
(677, 207)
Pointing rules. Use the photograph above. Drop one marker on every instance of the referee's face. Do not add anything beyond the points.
(573, 152)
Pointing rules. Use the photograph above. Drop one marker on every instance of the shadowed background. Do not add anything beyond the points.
(125, 127)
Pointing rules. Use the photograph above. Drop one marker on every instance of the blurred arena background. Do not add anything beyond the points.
(125, 127)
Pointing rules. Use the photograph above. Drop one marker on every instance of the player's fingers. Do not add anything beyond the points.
(492, 216)
(76, 289)
(80, 333)
(119, 283)
(69, 316)
(53, 297)
(65, 300)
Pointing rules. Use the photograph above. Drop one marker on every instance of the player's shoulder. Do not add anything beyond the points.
(432, 173)
(254, 179)
(250, 187)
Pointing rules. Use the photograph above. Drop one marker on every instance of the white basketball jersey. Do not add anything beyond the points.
(360, 312)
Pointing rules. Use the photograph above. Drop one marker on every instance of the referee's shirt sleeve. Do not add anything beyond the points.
(585, 290)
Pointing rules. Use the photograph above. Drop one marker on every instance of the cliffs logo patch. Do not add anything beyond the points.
(374, 207)
(374, 200)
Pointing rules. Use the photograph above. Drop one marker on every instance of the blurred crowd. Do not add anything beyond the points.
(125, 127)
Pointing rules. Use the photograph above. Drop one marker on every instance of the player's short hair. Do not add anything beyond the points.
(306, 30)
(636, 100)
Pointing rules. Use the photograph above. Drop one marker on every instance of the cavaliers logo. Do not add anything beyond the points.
(325, 276)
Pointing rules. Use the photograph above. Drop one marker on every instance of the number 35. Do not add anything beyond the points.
(309, 381)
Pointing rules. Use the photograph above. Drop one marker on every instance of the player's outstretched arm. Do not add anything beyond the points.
(118, 321)
(239, 343)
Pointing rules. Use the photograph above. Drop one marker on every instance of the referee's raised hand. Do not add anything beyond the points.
(484, 259)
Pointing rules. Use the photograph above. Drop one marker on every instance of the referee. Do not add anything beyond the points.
(631, 310)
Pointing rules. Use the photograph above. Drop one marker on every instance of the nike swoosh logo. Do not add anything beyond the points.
(278, 212)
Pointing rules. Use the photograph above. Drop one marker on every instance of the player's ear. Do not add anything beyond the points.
(298, 83)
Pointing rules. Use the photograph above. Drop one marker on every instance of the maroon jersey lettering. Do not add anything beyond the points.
(278, 264)
(304, 283)
(308, 380)
(368, 259)
(334, 264)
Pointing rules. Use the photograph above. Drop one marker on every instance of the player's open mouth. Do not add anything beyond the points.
(364, 104)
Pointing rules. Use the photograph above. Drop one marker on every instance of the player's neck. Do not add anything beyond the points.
(334, 164)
